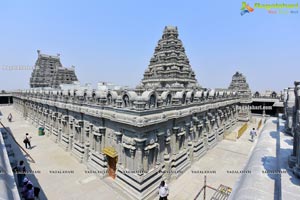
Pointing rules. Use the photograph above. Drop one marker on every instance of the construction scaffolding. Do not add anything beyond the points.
(221, 193)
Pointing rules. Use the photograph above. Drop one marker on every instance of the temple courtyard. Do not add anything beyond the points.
(61, 176)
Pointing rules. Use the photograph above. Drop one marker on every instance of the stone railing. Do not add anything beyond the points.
(132, 108)
(266, 97)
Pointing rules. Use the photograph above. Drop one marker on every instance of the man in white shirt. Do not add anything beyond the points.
(252, 134)
(163, 191)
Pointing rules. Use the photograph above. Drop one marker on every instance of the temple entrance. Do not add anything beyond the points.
(112, 166)
(112, 159)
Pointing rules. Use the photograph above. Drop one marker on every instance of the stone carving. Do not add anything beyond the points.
(290, 109)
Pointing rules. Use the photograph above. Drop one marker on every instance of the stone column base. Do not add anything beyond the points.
(288, 131)
(297, 171)
(138, 186)
(292, 161)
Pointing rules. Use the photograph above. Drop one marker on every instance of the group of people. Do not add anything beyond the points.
(28, 191)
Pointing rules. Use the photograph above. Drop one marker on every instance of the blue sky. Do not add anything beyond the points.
(114, 40)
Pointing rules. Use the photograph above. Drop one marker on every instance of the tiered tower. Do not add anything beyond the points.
(49, 72)
(240, 85)
(169, 66)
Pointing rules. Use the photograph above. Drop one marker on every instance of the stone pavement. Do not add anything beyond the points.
(290, 185)
(270, 177)
(224, 164)
(48, 156)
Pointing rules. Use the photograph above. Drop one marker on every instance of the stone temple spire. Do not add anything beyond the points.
(240, 85)
(169, 66)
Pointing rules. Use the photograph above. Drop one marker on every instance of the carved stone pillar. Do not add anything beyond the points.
(139, 154)
(99, 146)
(81, 131)
(119, 146)
(162, 147)
(65, 127)
(297, 166)
(102, 133)
(292, 124)
(87, 132)
(175, 140)
(132, 153)
(185, 138)
(167, 145)
(95, 133)
(59, 127)
(145, 160)
(296, 128)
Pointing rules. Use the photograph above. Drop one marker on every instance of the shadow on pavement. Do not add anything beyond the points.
(18, 155)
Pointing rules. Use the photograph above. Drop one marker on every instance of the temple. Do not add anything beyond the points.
(140, 136)
(49, 72)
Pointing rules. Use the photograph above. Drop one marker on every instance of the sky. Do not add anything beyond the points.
(113, 41)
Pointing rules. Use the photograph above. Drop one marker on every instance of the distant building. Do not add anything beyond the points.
(49, 72)
(240, 85)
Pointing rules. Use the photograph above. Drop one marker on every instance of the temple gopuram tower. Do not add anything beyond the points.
(240, 85)
(49, 72)
(169, 65)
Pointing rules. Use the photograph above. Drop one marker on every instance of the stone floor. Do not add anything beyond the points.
(48, 157)
(223, 162)
(226, 156)
(271, 178)
(290, 185)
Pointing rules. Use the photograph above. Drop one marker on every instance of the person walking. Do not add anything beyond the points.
(253, 134)
(21, 173)
(30, 192)
(24, 190)
(9, 118)
(27, 141)
(163, 191)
